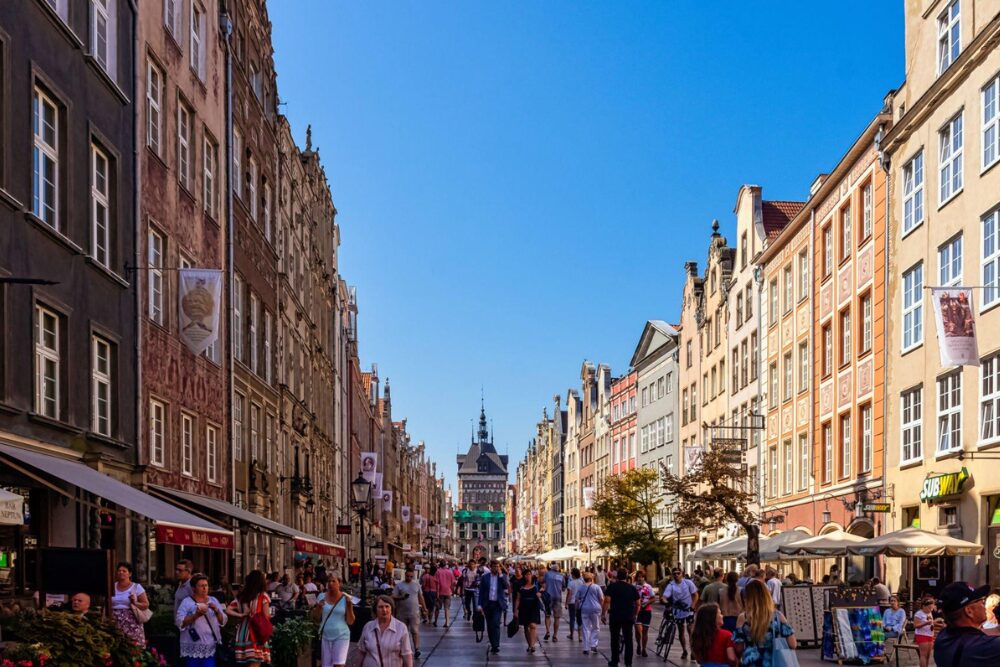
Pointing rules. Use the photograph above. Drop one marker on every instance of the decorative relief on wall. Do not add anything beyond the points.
(826, 398)
(826, 301)
(865, 377)
(844, 286)
(844, 388)
(866, 264)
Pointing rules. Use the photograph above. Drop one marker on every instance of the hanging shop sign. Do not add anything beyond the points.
(940, 486)
(343, 529)
(876, 507)
(200, 301)
(731, 448)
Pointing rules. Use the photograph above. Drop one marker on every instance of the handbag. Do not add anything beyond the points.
(141, 615)
(479, 625)
(260, 625)
(781, 654)
(512, 627)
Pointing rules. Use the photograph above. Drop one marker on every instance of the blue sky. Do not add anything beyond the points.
(519, 184)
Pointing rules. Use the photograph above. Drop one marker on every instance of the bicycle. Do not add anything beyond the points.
(667, 633)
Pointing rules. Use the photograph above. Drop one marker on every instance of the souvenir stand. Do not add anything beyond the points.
(852, 627)
(803, 606)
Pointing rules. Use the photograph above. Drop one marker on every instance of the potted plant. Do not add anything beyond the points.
(291, 643)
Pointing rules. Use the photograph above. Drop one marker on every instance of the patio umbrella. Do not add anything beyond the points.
(770, 547)
(733, 547)
(834, 543)
(705, 554)
(915, 542)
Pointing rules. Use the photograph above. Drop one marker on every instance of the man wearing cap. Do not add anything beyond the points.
(962, 642)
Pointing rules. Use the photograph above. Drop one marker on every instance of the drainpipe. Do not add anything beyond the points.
(884, 163)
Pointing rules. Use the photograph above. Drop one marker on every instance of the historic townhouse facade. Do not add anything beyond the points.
(602, 427)
(556, 458)
(587, 447)
(572, 496)
(941, 155)
(689, 374)
(624, 392)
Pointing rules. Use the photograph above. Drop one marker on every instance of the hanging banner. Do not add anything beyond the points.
(534, 517)
(692, 457)
(369, 464)
(956, 326)
(418, 522)
(200, 294)
(404, 514)
(588, 497)
(387, 501)
(377, 491)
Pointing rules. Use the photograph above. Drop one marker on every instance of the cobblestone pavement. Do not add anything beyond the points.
(456, 645)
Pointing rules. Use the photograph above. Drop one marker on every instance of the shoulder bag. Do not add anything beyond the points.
(260, 623)
(378, 646)
(141, 615)
(781, 654)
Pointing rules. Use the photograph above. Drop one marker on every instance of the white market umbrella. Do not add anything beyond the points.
(11, 508)
(770, 547)
(915, 542)
(710, 551)
(834, 543)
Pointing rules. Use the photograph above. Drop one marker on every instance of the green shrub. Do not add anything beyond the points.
(290, 639)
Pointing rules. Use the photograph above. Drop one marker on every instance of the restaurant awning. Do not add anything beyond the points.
(834, 543)
(915, 542)
(173, 525)
(301, 541)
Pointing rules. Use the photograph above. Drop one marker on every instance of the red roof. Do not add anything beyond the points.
(777, 214)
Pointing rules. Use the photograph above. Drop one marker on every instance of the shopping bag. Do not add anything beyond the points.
(479, 625)
(512, 627)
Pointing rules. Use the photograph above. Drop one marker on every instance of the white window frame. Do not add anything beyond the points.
(154, 107)
(48, 362)
(209, 163)
(804, 367)
(989, 399)
(865, 417)
(102, 357)
(237, 163)
(827, 431)
(267, 211)
(990, 265)
(267, 345)
(911, 426)
(803, 274)
(157, 427)
(238, 404)
(668, 422)
(846, 352)
(950, 262)
(805, 458)
(867, 210)
(100, 206)
(45, 159)
(103, 27)
(991, 123)
(238, 293)
(185, 118)
(211, 453)
(157, 288)
(949, 41)
(172, 10)
(913, 307)
(866, 322)
(950, 151)
(789, 463)
(187, 444)
(198, 40)
(789, 289)
(828, 249)
(846, 442)
(913, 193)
(789, 377)
(949, 413)
(253, 326)
(252, 190)
(846, 232)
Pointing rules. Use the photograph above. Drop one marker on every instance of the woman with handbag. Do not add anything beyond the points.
(200, 619)
(334, 614)
(130, 606)
(253, 607)
(763, 637)
(385, 642)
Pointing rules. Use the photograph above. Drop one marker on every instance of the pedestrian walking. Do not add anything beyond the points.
(590, 600)
(619, 611)
(575, 584)
(683, 596)
(528, 609)
(470, 583)
(645, 616)
(962, 642)
(924, 625)
(715, 588)
(731, 602)
(200, 618)
(711, 644)
(429, 584)
(492, 602)
(333, 613)
(252, 599)
(409, 606)
(601, 578)
(446, 586)
(773, 583)
(128, 603)
(758, 625)
(184, 569)
(554, 585)
(385, 641)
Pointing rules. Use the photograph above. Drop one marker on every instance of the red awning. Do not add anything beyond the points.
(193, 537)
(319, 547)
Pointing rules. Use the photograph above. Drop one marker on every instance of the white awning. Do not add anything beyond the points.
(173, 524)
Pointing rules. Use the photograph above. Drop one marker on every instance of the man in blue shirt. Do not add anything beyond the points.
(962, 642)
(554, 586)
(492, 601)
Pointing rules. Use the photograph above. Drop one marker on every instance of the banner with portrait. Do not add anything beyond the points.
(956, 326)
(404, 514)
(588, 497)
(369, 465)
(200, 302)
(387, 501)
(418, 521)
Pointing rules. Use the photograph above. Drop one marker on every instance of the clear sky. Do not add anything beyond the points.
(520, 183)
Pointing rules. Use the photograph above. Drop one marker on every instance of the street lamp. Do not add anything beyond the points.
(430, 536)
(361, 488)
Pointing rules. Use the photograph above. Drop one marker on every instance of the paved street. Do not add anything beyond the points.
(456, 645)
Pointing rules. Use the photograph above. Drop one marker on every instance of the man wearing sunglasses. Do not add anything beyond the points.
(683, 597)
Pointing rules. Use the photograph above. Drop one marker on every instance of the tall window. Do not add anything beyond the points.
(950, 412)
(827, 452)
(154, 107)
(846, 240)
(772, 374)
(739, 308)
(187, 444)
(172, 16)
(267, 211)
(950, 160)
(866, 438)
(827, 250)
(748, 298)
(753, 356)
(803, 274)
(845, 338)
(949, 35)
(804, 462)
(866, 323)
(211, 452)
(267, 346)
(198, 40)
(45, 159)
(950, 262)
(154, 259)
(772, 482)
(238, 426)
(772, 291)
(238, 318)
(209, 165)
(100, 386)
(100, 206)
(789, 287)
(991, 122)
(102, 34)
(47, 363)
(845, 445)
(745, 363)
(254, 432)
(184, 117)
(912, 425)
(253, 326)
(991, 258)
(913, 192)
(252, 188)
(786, 450)
(913, 307)
(803, 366)
(237, 163)
(157, 425)
(989, 401)
(867, 211)
(789, 376)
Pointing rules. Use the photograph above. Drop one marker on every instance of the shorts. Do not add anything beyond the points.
(924, 639)
(430, 599)
(334, 651)
(444, 600)
(645, 617)
(687, 620)
(557, 609)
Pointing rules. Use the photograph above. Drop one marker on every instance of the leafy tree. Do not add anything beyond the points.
(624, 513)
(715, 492)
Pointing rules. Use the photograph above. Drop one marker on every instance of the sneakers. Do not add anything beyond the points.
(684, 655)
(586, 652)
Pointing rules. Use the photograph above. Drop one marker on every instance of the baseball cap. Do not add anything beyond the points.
(958, 594)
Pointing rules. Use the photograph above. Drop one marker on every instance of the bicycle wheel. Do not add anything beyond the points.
(668, 639)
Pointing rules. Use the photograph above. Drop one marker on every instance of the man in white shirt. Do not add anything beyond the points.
(773, 583)
(683, 595)
(492, 602)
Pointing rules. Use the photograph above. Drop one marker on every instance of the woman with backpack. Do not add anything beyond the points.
(253, 608)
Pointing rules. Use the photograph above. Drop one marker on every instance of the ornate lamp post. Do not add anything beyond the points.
(361, 489)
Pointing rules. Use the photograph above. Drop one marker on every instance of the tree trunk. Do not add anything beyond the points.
(753, 544)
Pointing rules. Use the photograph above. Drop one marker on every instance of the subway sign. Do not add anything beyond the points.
(940, 486)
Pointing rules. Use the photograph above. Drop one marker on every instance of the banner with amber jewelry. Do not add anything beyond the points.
(956, 326)
(200, 295)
